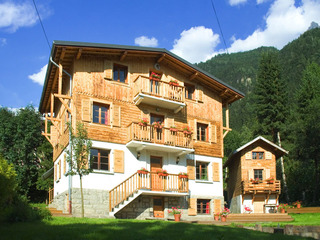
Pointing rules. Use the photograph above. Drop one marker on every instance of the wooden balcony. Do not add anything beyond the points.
(164, 139)
(149, 183)
(159, 93)
(261, 187)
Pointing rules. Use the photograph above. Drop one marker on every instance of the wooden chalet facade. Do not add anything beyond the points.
(251, 181)
(143, 108)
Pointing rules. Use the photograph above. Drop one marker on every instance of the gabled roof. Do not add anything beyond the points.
(66, 52)
(279, 151)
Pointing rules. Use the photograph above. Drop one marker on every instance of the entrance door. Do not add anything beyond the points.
(158, 207)
(258, 204)
(156, 181)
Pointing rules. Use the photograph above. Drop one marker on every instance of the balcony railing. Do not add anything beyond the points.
(164, 136)
(150, 91)
(261, 187)
(149, 181)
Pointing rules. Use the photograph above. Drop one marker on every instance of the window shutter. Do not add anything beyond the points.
(267, 173)
(192, 210)
(86, 110)
(212, 133)
(191, 169)
(200, 93)
(55, 172)
(118, 161)
(268, 155)
(170, 138)
(59, 169)
(217, 205)
(64, 164)
(248, 155)
(108, 70)
(250, 174)
(116, 116)
(216, 172)
(194, 135)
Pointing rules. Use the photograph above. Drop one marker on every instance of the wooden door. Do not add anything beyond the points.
(258, 204)
(157, 133)
(156, 180)
(158, 207)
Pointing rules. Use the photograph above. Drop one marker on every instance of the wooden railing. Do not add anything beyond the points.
(261, 187)
(164, 135)
(150, 181)
(50, 195)
(161, 89)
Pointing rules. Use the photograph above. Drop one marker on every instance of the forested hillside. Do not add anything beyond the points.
(298, 63)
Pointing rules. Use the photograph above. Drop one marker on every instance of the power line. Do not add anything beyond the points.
(44, 31)
(214, 9)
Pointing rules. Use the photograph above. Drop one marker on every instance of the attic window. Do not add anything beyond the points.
(258, 155)
(120, 73)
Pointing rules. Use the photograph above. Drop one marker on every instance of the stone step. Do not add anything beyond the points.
(274, 217)
(58, 213)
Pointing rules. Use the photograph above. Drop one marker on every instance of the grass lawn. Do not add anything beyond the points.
(77, 228)
(305, 219)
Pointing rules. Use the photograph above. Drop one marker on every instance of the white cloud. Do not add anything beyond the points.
(146, 42)
(196, 44)
(261, 1)
(236, 2)
(3, 41)
(284, 22)
(39, 76)
(15, 15)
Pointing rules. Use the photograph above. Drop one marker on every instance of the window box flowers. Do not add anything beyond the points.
(255, 181)
(143, 171)
(155, 76)
(183, 175)
(173, 129)
(173, 83)
(143, 122)
(163, 173)
(270, 180)
(187, 130)
(157, 125)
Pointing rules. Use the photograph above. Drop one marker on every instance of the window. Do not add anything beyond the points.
(258, 174)
(101, 113)
(189, 90)
(257, 155)
(99, 159)
(120, 73)
(203, 206)
(202, 132)
(202, 171)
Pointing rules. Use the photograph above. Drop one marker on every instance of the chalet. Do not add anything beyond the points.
(251, 181)
(143, 108)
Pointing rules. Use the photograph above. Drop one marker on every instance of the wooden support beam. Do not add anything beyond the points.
(123, 56)
(161, 58)
(62, 96)
(46, 136)
(60, 79)
(223, 92)
(53, 119)
(52, 105)
(193, 76)
(56, 126)
(63, 53)
(65, 104)
(79, 54)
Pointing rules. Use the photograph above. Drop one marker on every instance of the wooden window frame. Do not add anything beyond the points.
(187, 93)
(100, 105)
(256, 155)
(200, 172)
(118, 68)
(202, 206)
(200, 136)
(99, 159)
(258, 175)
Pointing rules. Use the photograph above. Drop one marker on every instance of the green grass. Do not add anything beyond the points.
(77, 228)
(305, 219)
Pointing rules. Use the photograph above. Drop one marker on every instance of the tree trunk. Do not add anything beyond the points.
(285, 187)
(316, 185)
(82, 204)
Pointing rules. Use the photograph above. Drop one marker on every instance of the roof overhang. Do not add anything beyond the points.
(66, 53)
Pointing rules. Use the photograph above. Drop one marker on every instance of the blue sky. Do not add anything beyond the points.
(186, 27)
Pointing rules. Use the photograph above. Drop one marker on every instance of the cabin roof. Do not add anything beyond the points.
(66, 51)
(279, 151)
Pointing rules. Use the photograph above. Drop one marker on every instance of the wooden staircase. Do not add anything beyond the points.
(58, 213)
(259, 217)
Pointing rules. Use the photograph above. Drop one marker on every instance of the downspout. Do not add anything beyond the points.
(70, 147)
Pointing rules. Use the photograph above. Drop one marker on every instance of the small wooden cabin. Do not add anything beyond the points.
(251, 181)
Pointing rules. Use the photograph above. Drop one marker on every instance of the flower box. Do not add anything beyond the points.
(174, 83)
(183, 176)
(142, 172)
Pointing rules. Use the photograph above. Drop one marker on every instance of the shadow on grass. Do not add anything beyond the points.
(75, 228)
